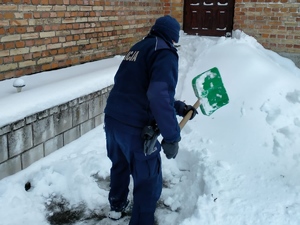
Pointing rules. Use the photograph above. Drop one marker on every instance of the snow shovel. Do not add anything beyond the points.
(208, 88)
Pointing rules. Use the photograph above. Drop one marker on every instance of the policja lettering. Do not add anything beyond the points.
(131, 56)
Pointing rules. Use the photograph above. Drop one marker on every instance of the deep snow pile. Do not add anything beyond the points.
(237, 166)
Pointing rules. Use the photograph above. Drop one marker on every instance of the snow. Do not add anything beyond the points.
(48, 89)
(239, 165)
(19, 82)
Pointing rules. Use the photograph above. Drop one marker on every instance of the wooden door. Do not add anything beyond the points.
(208, 17)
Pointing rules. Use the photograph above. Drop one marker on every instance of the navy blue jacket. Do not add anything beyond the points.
(144, 88)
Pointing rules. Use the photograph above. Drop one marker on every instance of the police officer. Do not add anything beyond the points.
(143, 95)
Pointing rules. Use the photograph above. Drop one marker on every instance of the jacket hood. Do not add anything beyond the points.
(168, 27)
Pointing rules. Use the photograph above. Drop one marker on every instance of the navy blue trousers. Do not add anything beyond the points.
(125, 150)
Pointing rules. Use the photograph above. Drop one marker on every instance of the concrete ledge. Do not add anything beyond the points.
(295, 57)
(25, 141)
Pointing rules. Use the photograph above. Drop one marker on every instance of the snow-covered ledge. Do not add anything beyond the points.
(53, 109)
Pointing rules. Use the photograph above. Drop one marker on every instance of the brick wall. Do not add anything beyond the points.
(174, 8)
(41, 35)
(274, 23)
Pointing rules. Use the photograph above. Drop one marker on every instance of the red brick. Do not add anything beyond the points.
(8, 59)
(27, 15)
(36, 55)
(44, 2)
(10, 30)
(20, 30)
(36, 15)
(45, 14)
(18, 58)
(38, 28)
(29, 43)
(9, 45)
(8, 15)
(46, 67)
(8, 75)
(2, 31)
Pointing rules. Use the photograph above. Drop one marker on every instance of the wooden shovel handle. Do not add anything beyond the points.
(188, 115)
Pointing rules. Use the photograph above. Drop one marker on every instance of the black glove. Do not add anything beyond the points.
(170, 149)
(188, 108)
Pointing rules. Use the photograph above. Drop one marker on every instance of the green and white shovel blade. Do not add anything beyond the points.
(209, 88)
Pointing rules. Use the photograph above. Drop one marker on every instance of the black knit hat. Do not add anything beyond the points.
(168, 27)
